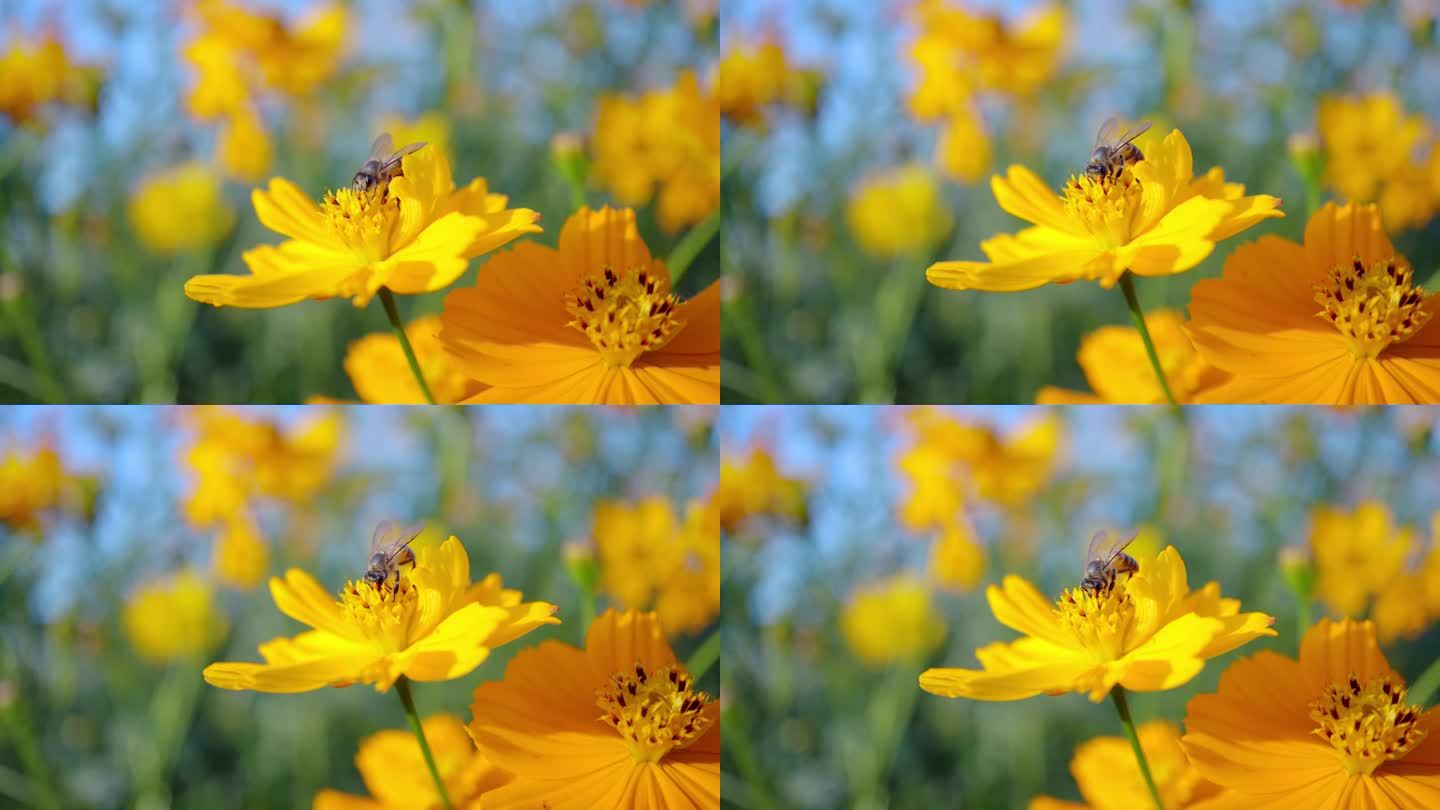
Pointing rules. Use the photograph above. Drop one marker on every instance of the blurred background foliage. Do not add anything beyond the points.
(871, 566)
(128, 563)
(866, 157)
(132, 132)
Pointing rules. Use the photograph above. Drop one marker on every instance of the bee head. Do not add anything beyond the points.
(375, 576)
(362, 182)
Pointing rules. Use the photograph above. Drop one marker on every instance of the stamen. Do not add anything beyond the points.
(364, 221)
(660, 714)
(1374, 306)
(1101, 620)
(625, 314)
(1368, 724)
(1109, 206)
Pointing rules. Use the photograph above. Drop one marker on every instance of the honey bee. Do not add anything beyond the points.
(383, 165)
(390, 549)
(1112, 154)
(1106, 559)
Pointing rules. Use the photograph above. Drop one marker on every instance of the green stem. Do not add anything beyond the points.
(15, 720)
(388, 299)
(704, 656)
(1303, 617)
(1122, 705)
(690, 246)
(402, 687)
(1423, 689)
(1127, 286)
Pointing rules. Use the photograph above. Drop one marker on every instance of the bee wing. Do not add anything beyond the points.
(394, 159)
(1107, 131)
(381, 147)
(390, 537)
(1134, 132)
(1106, 545)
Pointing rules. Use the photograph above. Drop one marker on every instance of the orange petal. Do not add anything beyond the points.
(1337, 234)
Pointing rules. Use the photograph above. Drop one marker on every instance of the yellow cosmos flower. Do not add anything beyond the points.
(377, 367)
(958, 52)
(1338, 320)
(240, 558)
(1331, 731)
(617, 724)
(752, 77)
(957, 560)
(1155, 219)
(436, 625)
(893, 620)
(1357, 554)
(244, 151)
(33, 482)
(418, 236)
(898, 212)
(1007, 469)
(592, 322)
(34, 74)
(963, 150)
(173, 618)
(666, 143)
(1109, 778)
(189, 187)
(752, 486)
(1149, 632)
(236, 460)
(648, 557)
(1371, 155)
(934, 500)
(1118, 370)
(397, 778)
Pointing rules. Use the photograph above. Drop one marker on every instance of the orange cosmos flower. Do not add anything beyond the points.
(592, 322)
(1338, 320)
(1331, 731)
(617, 724)
(1109, 778)
(1119, 372)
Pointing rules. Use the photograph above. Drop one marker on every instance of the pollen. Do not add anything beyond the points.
(625, 314)
(1374, 305)
(656, 712)
(383, 613)
(1100, 621)
(1368, 724)
(363, 221)
(1109, 207)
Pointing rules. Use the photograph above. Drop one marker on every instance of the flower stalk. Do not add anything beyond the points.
(1137, 315)
(387, 298)
(402, 687)
(1122, 705)
(690, 246)
(704, 656)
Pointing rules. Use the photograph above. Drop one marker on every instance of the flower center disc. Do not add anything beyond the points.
(655, 712)
(625, 315)
(384, 613)
(1101, 620)
(1368, 724)
(363, 220)
(1108, 206)
(1373, 305)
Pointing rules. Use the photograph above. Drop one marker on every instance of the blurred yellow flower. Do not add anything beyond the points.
(1005, 469)
(236, 460)
(1118, 369)
(963, 151)
(1372, 154)
(435, 625)
(666, 142)
(239, 53)
(751, 78)
(752, 486)
(432, 128)
(1332, 730)
(417, 236)
(649, 558)
(36, 73)
(592, 322)
(1338, 320)
(656, 745)
(156, 205)
(377, 367)
(1109, 778)
(34, 482)
(1155, 219)
(934, 499)
(892, 621)
(244, 151)
(1148, 632)
(396, 776)
(959, 52)
(240, 558)
(173, 618)
(957, 560)
(1357, 554)
(899, 212)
